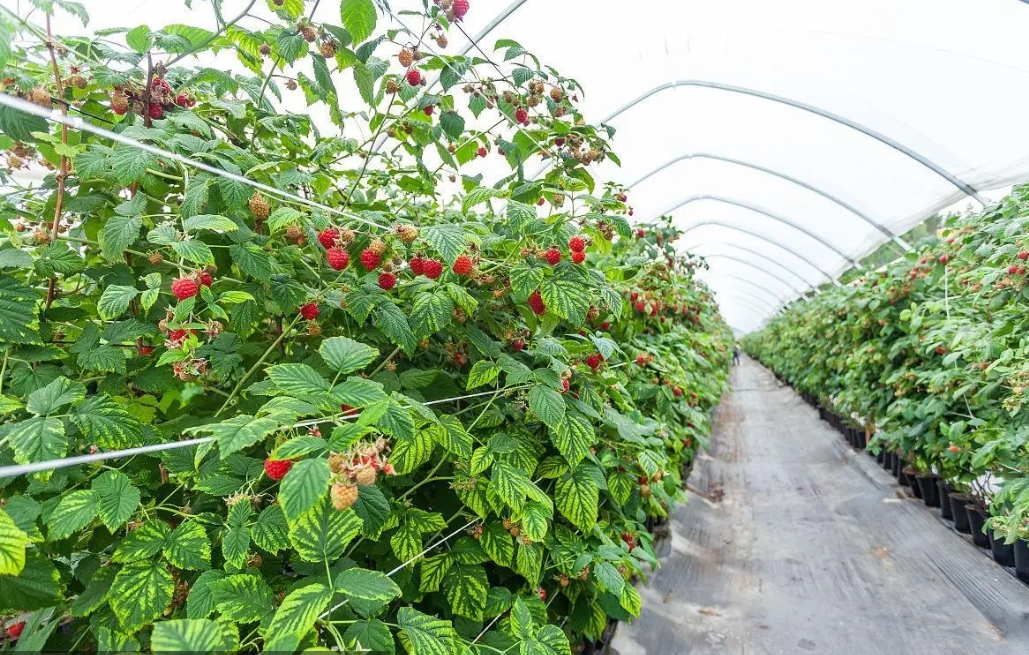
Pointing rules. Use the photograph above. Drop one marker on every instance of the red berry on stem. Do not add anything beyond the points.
(577, 244)
(482, 152)
(944, 259)
(460, 8)
(184, 287)
(536, 303)
(370, 259)
(522, 116)
(387, 281)
(433, 269)
(553, 256)
(119, 104)
(15, 629)
(578, 257)
(155, 110)
(337, 258)
(328, 237)
(462, 265)
(183, 101)
(517, 345)
(605, 326)
(593, 360)
(276, 469)
(641, 359)
(417, 265)
(641, 233)
(414, 78)
(206, 279)
(428, 110)
(1023, 255)
(310, 311)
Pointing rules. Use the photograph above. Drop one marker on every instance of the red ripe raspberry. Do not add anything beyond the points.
(14, 630)
(593, 360)
(460, 8)
(160, 85)
(338, 258)
(310, 311)
(564, 386)
(541, 592)
(184, 101)
(1021, 270)
(177, 335)
(605, 326)
(640, 306)
(553, 256)
(677, 391)
(184, 287)
(517, 345)
(1012, 269)
(641, 360)
(387, 281)
(1023, 255)
(414, 78)
(578, 257)
(328, 237)
(640, 233)
(206, 279)
(634, 296)
(276, 469)
(428, 110)
(559, 141)
(462, 265)
(155, 110)
(541, 201)
(433, 269)
(536, 303)
(370, 259)
(522, 116)
(482, 152)
(417, 265)
(944, 259)
(347, 410)
(577, 244)
(146, 350)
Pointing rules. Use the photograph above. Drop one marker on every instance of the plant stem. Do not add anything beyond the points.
(257, 364)
(62, 175)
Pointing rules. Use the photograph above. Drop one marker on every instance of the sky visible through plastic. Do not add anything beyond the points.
(946, 79)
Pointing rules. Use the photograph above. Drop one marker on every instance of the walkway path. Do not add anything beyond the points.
(812, 548)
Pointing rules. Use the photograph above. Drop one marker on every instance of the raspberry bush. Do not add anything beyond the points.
(414, 411)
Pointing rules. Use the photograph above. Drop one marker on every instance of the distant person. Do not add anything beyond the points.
(735, 353)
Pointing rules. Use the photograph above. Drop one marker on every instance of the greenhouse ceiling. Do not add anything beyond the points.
(792, 137)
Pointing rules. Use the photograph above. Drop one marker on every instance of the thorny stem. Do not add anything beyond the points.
(62, 175)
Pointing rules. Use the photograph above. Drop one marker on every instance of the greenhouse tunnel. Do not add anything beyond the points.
(512, 326)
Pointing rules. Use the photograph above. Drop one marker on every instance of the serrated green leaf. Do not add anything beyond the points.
(370, 635)
(433, 569)
(18, 323)
(358, 17)
(368, 590)
(431, 313)
(426, 635)
(37, 439)
(548, 405)
(566, 298)
(345, 355)
(200, 602)
(238, 432)
(536, 520)
(36, 587)
(209, 222)
(107, 423)
(448, 240)
(466, 587)
(322, 533)
(188, 547)
(117, 234)
(140, 592)
(188, 636)
(408, 454)
(483, 372)
(295, 617)
(525, 279)
(305, 483)
(497, 543)
(573, 438)
(117, 499)
(13, 543)
(578, 496)
(130, 164)
(145, 541)
(243, 598)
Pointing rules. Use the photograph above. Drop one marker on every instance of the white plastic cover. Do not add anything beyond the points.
(947, 79)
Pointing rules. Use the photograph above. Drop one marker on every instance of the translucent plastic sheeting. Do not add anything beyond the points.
(947, 80)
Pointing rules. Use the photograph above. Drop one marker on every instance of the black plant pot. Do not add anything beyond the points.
(898, 464)
(887, 460)
(930, 490)
(958, 506)
(1003, 554)
(880, 457)
(976, 521)
(913, 482)
(946, 511)
(1022, 560)
(862, 440)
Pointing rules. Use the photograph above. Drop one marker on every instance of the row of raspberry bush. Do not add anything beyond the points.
(931, 352)
(426, 415)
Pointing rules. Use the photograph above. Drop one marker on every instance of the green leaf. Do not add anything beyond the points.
(370, 635)
(548, 405)
(55, 395)
(117, 234)
(209, 222)
(358, 392)
(422, 634)
(95, 593)
(291, 45)
(566, 298)
(466, 587)
(138, 38)
(188, 547)
(117, 499)
(607, 577)
(188, 636)
(483, 372)
(536, 520)
(145, 541)
(448, 240)
(345, 355)
(13, 543)
(372, 588)
(19, 126)
(373, 510)
(497, 543)
(299, 380)
(271, 531)
(107, 423)
(408, 454)
(243, 598)
(393, 322)
(37, 586)
(578, 496)
(529, 562)
(130, 164)
(452, 124)
(364, 79)
(525, 279)
(238, 432)
(252, 260)
(433, 569)
(115, 300)
(37, 440)
(406, 542)
(303, 486)
(194, 251)
(323, 532)
(431, 313)
(295, 617)
(18, 323)
(200, 602)
(359, 17)
(396, 421)
(573, 437)
(630, 600)
(140, 592)
(509, 484)
(621, 486)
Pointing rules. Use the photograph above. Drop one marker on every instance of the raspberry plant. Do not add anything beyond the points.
(363, 452)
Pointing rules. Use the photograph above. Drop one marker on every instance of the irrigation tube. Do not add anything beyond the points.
(78, 124)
